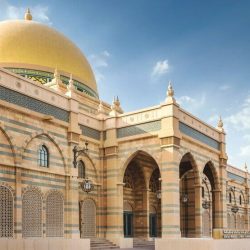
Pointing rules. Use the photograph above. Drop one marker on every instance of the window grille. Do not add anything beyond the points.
(54, 215)
(32, 214)
(6, 213)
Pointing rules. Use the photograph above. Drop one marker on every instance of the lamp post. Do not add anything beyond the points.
(87, 185)
(77, 151)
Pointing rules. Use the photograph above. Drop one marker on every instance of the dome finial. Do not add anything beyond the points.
(71, 83)
(170, 91)
(246, 168)
(28, 15)
(170, 94)
(220, 124)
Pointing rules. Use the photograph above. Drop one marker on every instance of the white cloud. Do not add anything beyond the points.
(39, 12)
(160, 68)
(241, 119)
(224, 87)
(245, 151)
(98, 63)
(192, 104)
(185, 99)
(100, 60)
(247, 137)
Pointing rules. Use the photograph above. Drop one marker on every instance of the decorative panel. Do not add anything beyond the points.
(88, 219)
(6, 212)
(54, 215)
(139, 129)
(90, 132)
(27, 102)
(235, 177)
(185, 129)
(32, 214)
(45, 77)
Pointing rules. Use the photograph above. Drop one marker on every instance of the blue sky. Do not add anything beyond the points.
(136, 46)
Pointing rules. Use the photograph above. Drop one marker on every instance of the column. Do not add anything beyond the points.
(18, 206)
(198, 210)
(170, 197)
(146, 212)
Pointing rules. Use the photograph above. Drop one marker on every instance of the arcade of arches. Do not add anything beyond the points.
(158, 172)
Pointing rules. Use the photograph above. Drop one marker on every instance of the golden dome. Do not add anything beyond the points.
(25, 44)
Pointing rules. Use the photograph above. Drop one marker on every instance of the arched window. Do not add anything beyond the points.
(81, 169)
(43, 157)
(203, 192)
(230, 198)
(240, 200)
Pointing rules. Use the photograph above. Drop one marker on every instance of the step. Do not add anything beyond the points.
(101, 244)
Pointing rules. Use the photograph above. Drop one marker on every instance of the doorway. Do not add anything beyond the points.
(153, 225)
(128, 224)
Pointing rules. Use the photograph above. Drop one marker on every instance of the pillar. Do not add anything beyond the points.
(114, 187)
(198, 210)
(170, 197)
(18, 206)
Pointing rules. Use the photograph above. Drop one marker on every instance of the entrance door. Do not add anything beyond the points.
(153, 225)
(88, 219)
(128, 224)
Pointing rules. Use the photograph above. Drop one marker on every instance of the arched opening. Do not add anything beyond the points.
(88, 219)
(32, 214)
(187, 175)
(128, 219)
(6, 213)
(206, 207)
(208, 203)
(142, 189)
(54, 215)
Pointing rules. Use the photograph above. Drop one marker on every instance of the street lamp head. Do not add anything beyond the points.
(87, 185)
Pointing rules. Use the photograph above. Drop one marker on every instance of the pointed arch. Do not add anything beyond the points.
(189, 161)
(51, 138)
(211, 172)
(86, 159)
(132, 156)
(11, 145)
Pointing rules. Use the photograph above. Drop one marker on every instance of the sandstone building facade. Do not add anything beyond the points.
(156, 172)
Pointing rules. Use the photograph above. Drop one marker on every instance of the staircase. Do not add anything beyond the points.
(101, 244)
(143, 243)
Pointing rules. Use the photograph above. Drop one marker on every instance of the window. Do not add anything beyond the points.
(230, 198)
(81, 169)
(240, 200)
(203, 192)
(43, 157)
